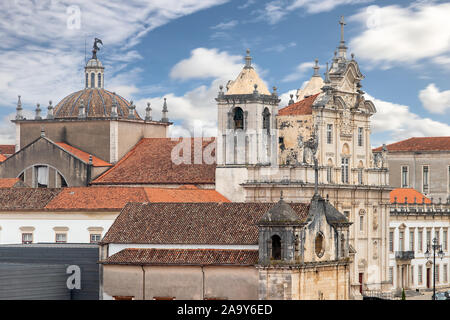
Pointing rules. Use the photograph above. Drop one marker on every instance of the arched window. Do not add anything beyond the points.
(99, 80)
(330, 171)
(92, 80)
(266, 119)
(238, 118)
(318, 245)
(87, 80)
(276, 247)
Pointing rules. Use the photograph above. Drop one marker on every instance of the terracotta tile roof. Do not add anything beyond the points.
(150, 162)
(7, 149)
(9, 182)
(228, 223)
(96, 162)
(419, 144)
(183, 257)
(114, 198)
(2, 158)
(184, 194)
(410, 193)
(26, 198)
(299, 108)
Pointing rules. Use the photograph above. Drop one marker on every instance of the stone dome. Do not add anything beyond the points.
(97, 103)
(94, 63)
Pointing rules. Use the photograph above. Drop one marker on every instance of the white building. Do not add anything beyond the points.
(413, 226)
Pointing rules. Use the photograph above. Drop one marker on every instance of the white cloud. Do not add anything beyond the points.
(280, 47)
(300, 71)
(207, 63)
(399, 35)
(42, 58)
(285, 97)
(247, 4)
(316, 6)
(225, 25)
(434, 100)
(397, 122)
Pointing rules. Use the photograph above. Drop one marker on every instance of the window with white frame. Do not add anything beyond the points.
(391, 241)
(95, 237)
(428, 238)
(344, 170)
(41, 176)
(438, 270)
(437, 233)
(420, 240)
(405, 177)
(401, 238)
(420, 274)
(360, 176)
(411, 240)
(27, 237)
(412, 274)
(360, 136)
(329, 133)
(61, 237)
(425, 179)
(445, 239)
(445, 273)
(391, 275)
(361, 223)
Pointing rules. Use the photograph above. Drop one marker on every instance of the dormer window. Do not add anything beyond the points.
(238, 119)
(276, 247)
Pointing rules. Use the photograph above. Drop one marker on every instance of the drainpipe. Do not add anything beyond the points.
(203, 283)
(143, 282)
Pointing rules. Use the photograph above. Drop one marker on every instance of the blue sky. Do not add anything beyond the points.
(184, 49)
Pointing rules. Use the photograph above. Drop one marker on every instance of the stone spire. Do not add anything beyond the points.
(131, 109)
(342, 48)
(38, 112)
(19, 109)
(50, 110)
(248, 60)
(164, 117)
(327, 75)
(148, 112)
(316, 68)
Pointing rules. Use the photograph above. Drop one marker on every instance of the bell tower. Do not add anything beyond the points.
(94, 70)
(246, 130)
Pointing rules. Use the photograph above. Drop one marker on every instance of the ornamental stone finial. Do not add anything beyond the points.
(291, 101)
(131, 109)
(50, 110)
(38, 112)
(19, 109)
(248, 60)
(114, 114)
(316, 68)
(165, 110)
(81, 113)
(148, 112)
(42, 132)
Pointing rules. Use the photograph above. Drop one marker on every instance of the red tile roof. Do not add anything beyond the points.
(150, 162)
(9, 182)
(96, 162)
(183, 257)
(26, 198)
(410, 194)
(184, 194)
(419, 144)
(7, 149)
(228, 223)
(114, 198)
(299, 108)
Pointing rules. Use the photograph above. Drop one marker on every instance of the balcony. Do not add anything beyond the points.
(404, 255)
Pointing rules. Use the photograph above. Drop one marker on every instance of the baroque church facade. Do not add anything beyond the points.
(263, 151)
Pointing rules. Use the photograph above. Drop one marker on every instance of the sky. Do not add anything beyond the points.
(183, 50)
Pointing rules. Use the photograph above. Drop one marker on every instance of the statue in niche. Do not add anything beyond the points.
(310, 147)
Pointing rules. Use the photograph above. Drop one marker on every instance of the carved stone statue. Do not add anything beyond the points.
(96, 47)
(310, 148)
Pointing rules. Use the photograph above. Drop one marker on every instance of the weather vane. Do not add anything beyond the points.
(96, 48)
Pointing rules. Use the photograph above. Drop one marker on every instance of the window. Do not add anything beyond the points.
(276, 247)
(420, 240)
(27, 238)
(412, 274)
(61, 237)
(391, 241)
(318, 245)
(404, 176)
(329, 133)
(411, 240)
(41, 176)
(438, 270)
(342, 245)
(360, 176)
(92, 80)
(361, 223)
(401, 241)
(437, 235)
(425, 179)
(445, 273)
(329, 174)
(238, 118)
(95, 237)
(266, 119)
(420, 276)
(391, 275)
(87, 80)
(360, 137)
(445, 240)
(344, 170)
(428, 238)
(99, 80)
